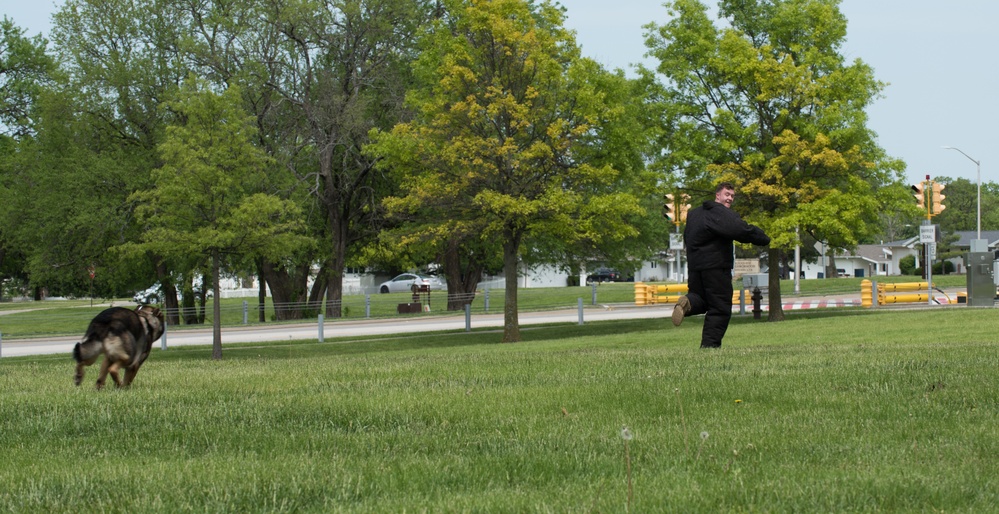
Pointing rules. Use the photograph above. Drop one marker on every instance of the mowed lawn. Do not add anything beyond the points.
(836, 411)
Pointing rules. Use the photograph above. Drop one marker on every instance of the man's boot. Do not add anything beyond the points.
(681, 309)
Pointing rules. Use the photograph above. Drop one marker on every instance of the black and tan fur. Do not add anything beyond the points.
(124, 337)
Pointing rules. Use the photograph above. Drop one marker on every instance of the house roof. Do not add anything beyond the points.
(965, 237)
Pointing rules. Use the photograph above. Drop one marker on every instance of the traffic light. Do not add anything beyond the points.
(918, 190)
(937, 198)
(668, 207)
(682, 208)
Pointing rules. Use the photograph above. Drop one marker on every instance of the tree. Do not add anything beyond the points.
(505, 107)
(340, 68)
(766, 101)
(25, 70)
(206, 199)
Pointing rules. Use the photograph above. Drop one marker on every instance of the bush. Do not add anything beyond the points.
(943, 268)
(907, 265)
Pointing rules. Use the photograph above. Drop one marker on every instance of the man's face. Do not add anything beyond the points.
(725, 197)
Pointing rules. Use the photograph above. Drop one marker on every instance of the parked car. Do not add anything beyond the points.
(605, 275)
(404, 283)
(149, 296)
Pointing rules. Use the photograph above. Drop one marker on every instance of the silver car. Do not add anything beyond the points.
(404, 283)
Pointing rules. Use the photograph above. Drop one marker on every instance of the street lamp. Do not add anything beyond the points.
(978, 164)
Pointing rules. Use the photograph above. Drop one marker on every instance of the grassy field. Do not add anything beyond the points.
(845, 411)
(70, 317)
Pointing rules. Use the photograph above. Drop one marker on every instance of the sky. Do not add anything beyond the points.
(938, 58)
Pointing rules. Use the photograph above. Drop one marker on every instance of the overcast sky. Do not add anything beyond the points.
(939, 58)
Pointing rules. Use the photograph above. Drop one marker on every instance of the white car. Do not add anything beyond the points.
(404, 283)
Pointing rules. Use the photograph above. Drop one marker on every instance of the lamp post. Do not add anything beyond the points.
(978, 164)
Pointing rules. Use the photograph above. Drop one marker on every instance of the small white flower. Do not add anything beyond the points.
(704, 436)
(626, 434)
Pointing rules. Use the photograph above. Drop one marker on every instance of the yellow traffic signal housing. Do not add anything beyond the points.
(919, 191)
(668, 207)
(937, 198)
(682, 208)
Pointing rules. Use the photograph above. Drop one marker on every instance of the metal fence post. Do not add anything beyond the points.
(320, 328)
(367, 306)
(580, 302)
(468, 317)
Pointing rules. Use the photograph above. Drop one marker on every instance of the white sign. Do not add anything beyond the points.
(676, 241)
(927, 233)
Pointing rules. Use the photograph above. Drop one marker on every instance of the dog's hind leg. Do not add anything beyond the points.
(130, 374)
(113, 371)
(85, 354)
(103, 375)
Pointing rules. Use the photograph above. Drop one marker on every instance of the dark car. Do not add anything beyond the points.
(605, 275)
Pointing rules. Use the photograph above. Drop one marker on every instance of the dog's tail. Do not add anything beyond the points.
(88, 350)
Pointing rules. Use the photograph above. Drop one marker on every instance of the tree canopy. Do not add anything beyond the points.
(763, 98)
(504, 109)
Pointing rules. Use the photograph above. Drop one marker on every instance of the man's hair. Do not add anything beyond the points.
(724, 185)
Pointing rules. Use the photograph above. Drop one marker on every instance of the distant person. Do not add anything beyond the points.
(710, 232)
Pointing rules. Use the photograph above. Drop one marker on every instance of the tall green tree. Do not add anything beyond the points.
(762, 97)
(340, 69)
(25, 69)
(206, 199)
(116, 71)
(505, 108)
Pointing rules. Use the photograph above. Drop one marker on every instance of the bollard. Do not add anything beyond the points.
(246, 313)
(593, 286)
(487, 299)
(163, 344)
(367, 306)
(580, 303)
(640, 294)
(1, 344)
(321, 328)
(757, 298)
(468, 317)
(866, 294)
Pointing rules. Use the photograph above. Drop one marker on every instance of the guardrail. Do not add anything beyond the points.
(652, 294)
(899, 292)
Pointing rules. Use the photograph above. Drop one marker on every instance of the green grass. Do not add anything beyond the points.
(826, 412)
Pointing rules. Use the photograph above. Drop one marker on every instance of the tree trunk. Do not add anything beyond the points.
(216, 307)
(462, 279)
(831, 263)
(511, 319)
(776, 307)
(261, 293)
(288, 289)
(170, 304)
(338, 263)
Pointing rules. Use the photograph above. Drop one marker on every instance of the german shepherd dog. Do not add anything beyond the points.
(124, 337)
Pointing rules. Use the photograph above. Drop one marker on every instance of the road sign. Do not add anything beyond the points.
(927, 233)
(676, 242)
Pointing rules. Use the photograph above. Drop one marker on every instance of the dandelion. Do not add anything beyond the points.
(738, 401)
(627, 436)
(704, 437)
